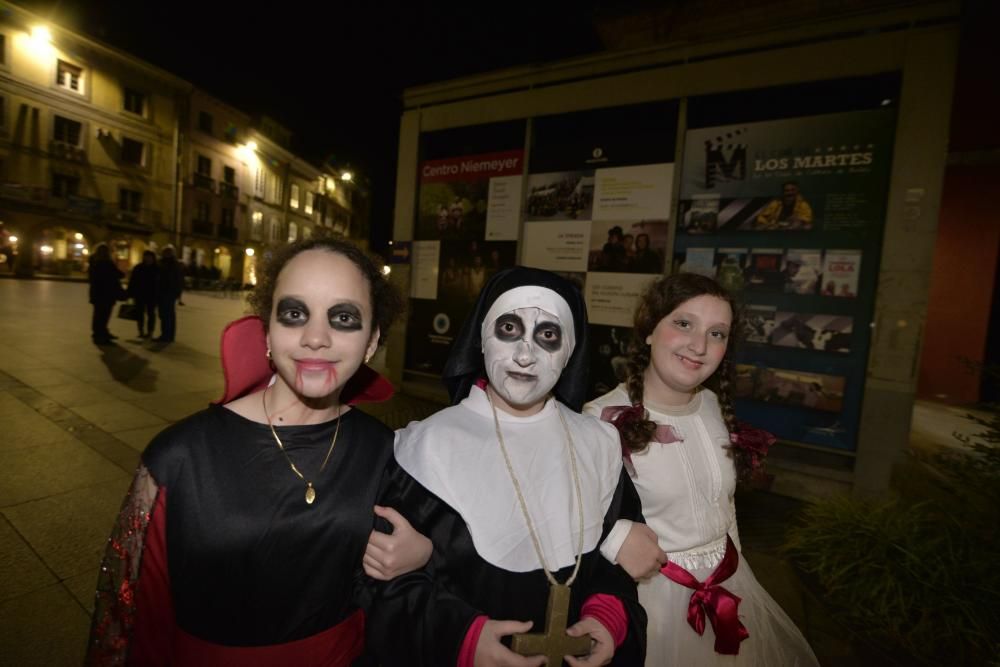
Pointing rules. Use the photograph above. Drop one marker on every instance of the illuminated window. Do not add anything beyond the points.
(256, 225)
(294, 199)
(306, 232)
(69, 76)
(309, 202)
(292, 231)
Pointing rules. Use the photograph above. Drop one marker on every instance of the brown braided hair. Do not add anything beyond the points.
(660, 299)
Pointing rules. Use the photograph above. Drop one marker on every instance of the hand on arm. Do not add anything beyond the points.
(640, 555)
(405, 550)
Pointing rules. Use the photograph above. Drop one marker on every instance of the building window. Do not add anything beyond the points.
(203, 211)
(205, 122)
(3, 49)
(67, 131)
(256, 225)
(306, 233)
(274, 230)
(227, 217)
(293, 200)
(258, 181)
(133, 152)
(3, 111)
(69, 76)
(293, 231)
(204, 166)
(309, 202)
(129, 201)
(229, 175)
(135, 101)
(64, 185)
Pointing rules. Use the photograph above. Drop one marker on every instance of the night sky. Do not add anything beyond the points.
(333, 72)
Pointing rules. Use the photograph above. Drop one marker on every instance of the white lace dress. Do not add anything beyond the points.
(687, 491)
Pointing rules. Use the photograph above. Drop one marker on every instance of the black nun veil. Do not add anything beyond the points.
(465, 363)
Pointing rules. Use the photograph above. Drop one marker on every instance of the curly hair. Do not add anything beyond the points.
(660, 299)
(387, 304)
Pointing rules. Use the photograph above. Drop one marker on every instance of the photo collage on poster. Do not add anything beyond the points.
(788, 214)
(468, 214)
(597, 210)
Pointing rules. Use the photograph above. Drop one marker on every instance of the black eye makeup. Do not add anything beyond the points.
(291, 312)
(345, 317)
(509, 328)
(548, 336)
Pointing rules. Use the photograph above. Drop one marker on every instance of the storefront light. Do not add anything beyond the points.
(249, 252)
(12, 239)
(78, 236)
(46, 249)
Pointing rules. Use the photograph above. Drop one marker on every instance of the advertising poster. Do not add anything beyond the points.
(633, 193)
(612, 297)
(425, 269)
(454, 199)
(766, 207)
(556, 246)
(628, 247)
(465, 266)
(812, 173)
(608, 357)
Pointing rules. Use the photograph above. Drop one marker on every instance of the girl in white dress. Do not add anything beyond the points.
(675, 416)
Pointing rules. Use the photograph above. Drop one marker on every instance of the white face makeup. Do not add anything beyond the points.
(525, 350)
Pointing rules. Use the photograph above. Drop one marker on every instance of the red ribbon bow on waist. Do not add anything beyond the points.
(620, 416)
(712, 600)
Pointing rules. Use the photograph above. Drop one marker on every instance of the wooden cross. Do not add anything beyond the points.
(555, 643)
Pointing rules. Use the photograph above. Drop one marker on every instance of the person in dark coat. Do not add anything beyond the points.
(170, 284)
(105, 290)
(142, 287)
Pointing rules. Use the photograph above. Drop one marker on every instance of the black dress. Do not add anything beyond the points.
(248, 564)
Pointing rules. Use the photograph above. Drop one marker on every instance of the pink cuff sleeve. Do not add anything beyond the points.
(467, 654)
(609, 612)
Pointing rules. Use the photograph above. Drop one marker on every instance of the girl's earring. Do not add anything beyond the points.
(269, 354)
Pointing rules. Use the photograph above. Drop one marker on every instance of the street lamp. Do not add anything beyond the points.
(249, 252)
(41, 35)
(346, 176)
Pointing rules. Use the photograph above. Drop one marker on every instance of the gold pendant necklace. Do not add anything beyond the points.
(554, 643)
(310, 489)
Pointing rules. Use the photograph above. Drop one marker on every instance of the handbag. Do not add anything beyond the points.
(128, 311)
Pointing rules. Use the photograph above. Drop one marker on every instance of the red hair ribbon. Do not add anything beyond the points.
(621, 416)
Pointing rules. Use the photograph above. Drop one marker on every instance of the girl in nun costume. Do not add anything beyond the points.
(517, 490)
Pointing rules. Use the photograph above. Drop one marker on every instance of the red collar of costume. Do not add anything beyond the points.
(246, 369)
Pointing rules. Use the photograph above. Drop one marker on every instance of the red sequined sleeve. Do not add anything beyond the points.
(133, 569)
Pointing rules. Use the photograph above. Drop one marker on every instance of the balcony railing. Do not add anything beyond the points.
(203, 181)
(67, 151)
(142, 216)
(203, 227)
(229, 191)
(78, 206)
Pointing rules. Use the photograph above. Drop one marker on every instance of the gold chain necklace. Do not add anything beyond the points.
(554, 643)
(310, 489)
